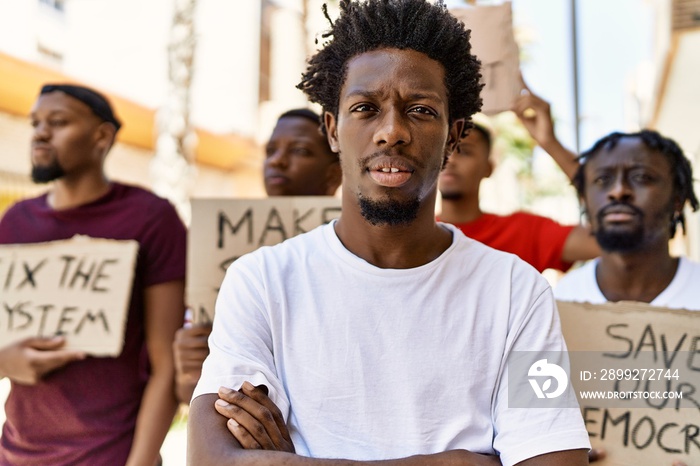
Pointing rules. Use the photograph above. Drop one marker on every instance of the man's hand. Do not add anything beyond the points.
(535, 115)
(190, 349)
(27, 361)
(254, 420)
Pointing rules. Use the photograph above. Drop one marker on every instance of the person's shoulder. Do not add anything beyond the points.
(573, 286)
(21, 209)
(25, 204)
(292, 248)
(486, 256)
(146, 201)
(692, 265)
(130, 191)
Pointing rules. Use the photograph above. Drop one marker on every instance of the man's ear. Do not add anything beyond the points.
(105, 135)
(678, 204)
(331, 124)
(454, 135)
(491, 167)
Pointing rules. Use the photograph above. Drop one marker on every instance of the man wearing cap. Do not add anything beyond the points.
(65, 407)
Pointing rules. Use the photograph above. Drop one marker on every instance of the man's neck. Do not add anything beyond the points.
(462, 210)
(393, 246)
(639, 276)
(69, 192)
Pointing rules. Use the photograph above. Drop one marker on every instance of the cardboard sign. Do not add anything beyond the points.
(643, 353)
(222, 230)
(79, 288)
(493, 42)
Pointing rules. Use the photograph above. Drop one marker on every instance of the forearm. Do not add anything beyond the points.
(211, 443)
(158, 407)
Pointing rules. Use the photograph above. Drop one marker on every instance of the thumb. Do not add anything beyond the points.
(44, 344)
(525, 89)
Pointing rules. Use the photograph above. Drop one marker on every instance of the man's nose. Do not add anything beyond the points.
(41, 132)
(620, 190)
(393, 129)
(279, 158)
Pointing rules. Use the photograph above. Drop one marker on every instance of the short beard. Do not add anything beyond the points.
(388, 211)
(611, 241)
(451, 196)
(627, 241)
(48, 173)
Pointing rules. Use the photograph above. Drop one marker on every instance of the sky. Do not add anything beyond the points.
(614, 39)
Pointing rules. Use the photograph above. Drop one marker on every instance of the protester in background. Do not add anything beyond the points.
(298, 159)
(634, 187)
(298, 162)
(539, 241)
(383, 335)
(64, 407)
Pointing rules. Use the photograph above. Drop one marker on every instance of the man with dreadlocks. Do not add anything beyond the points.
(633, 188)
(384, 335)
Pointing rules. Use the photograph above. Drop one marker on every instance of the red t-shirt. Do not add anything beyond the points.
(85, 413)
(537, 240)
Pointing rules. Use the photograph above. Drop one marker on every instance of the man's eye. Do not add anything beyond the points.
(57, 122)
(642, 178)
(269, 151)
(301, 151)
(362, 108)
(423, 110)
(602, 180)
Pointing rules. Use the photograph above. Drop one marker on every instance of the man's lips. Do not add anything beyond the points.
(390, 171)
(40, 151)
(447, 175)
(275, 179)
(618, 213)
(41, 147)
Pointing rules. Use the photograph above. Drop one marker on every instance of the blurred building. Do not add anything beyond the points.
(248, 57)
(675, 110)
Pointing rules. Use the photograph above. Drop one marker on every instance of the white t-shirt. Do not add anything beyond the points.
(682, 293)
(369, 363)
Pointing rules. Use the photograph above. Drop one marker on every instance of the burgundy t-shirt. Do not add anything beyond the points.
(85, 413)
(537, 240)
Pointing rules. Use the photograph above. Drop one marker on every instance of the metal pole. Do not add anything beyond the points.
(574, 61)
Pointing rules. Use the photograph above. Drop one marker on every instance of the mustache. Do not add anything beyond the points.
(616, 206)
(364, 161)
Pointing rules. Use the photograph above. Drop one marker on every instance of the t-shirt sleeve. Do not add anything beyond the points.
(523, 432)
(163, 245)
(551, 237)
(240, 345)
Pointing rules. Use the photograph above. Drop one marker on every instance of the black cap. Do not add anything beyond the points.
(97, 102)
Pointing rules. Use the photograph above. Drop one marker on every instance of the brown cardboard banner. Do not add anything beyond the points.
(493, 42)
(79, 288)
(655, 353)
(222, 230)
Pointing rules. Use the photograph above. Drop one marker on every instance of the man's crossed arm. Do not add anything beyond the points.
(245, 426)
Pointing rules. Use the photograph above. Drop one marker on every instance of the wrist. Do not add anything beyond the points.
(549, 143)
